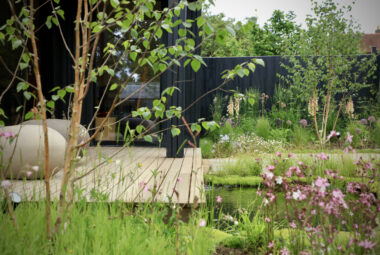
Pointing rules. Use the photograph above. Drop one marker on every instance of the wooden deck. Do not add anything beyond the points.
(131, 175)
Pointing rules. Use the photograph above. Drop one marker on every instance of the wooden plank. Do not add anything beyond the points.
(104, 178)
(197, 182)
(127, 191)
(183, 185)
(142, 195)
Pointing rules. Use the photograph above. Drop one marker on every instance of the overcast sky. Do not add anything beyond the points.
(365, 12)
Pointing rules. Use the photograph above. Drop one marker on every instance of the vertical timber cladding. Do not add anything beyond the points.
(185, 80)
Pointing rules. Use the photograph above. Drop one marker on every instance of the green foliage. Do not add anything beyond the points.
(206, 146)
(360, 134)
(99, 228)
(375, 133)
(248, 38)
(243, 166)
(263, 128)
(301, 136)
(328, 53)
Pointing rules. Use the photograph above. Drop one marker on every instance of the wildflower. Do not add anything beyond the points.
(312, 106)
(363, 121)
(35, 168)
(5, 184)
(292, 224)
(368, 166)
(202, 223)
(179, 179)
(289, 122)
(29, 173)
(266, 202)
(270, 245)
(8, 134)
(367, 244)
(236, 222)
(279, 180)
(146, 188)
(290, 155)
(230, 107)
(278, 154)
(303, 122)
(259, 192)
(284, 251)
(224, 138)
(349, 137)
(218, 199)
(323, 156)
(332, 134)
(349, 109)
(269, 175)
(270, 168)
(322, 183)
(371, 119)
(296, 194)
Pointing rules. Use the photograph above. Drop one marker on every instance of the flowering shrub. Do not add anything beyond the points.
(322, 218)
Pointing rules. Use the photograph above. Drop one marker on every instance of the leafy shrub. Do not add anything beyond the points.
(301, 136)
(360, 134)
(206, 145)
(262, 128)
(375, 134)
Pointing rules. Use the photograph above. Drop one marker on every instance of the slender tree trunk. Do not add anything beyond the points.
(74, 127)
(339, 110)
(37, 75)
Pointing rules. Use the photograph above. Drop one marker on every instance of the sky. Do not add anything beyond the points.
(365, 12)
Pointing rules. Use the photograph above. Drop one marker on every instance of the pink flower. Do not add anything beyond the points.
(35, 168)
(371, 119)
(146, 188)
(279, 180)
(267, 219)
(270, 168)
(5, 184)
(202, 223)
(269, 175)
(322, 156)
(9, 134)
(284, 251)
(278, 154)
(367, 244)
(292, 224)
(349, 137)
(322, 183)
(29, 173)
(218, 199)
(259, 192)
(290, 155)
(363, 121)
(179, 179)
(332, 134)
(270, 245)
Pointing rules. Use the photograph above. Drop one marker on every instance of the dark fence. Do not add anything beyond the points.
(264, 79)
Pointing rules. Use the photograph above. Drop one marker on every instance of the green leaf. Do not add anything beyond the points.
(50, 104)
(61, 93)
(97, 28)
(113, 86)
(196, 127)
(2, 113)
(139, 129)
(55, 97)
(48, 22)
(61, 13)
(16, 44)
(148, 138)
(22, 86)
(159, 33)
(259, 61)
(23, 65)
(133, 56)
(19, 108)
(29, 115)
(115, 3)
(69, 89)
(175, 131)
(195, 64)
(200, 21)
(25, 57)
